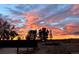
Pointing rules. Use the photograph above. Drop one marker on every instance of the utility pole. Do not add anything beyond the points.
(51, 35)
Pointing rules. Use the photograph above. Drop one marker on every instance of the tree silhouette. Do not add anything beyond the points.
(6, 29)
(43, 34)
(32, 34)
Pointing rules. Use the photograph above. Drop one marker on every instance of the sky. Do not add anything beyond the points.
(61, 18)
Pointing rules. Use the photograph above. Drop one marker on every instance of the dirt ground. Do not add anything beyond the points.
(67, 48)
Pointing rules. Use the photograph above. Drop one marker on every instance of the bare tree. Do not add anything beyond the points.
(5, 29)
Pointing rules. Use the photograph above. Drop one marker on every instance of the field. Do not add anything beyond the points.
(49, 47)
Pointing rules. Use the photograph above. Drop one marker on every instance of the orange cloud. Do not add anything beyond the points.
(71, 27)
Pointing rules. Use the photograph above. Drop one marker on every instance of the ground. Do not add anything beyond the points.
(67, 48)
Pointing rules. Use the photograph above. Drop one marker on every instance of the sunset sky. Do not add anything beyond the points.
(62, 19)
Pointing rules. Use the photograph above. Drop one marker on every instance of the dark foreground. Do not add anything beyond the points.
(48, 47)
